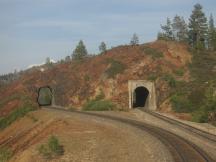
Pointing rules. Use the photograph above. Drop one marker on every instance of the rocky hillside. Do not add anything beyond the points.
(76, 82)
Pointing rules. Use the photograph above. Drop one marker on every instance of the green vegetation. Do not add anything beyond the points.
(200, 116)
(134, 40)
(67, 59)
(198, 96)
(167, 33)
(202, 66)
(170, 79)
(152, 77)
(102, 48)
(51, 149)
(19, 112)
(48, 62)
(208, 106)
(198, 28)
(14, 115)
(116, 67)
(99, 104)
(154, 53)
(87, 78)
(181, 104)
(5, 154)
(199, 32)
(80, 51)
(212, 34)
(179, 72)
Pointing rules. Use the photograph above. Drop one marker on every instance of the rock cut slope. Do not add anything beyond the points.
(76, 82)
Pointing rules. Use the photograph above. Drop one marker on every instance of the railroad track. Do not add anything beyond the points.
(181, 149)
(11, 140)
(205, 135)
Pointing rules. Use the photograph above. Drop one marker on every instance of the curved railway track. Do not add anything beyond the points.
(188, 128)
(181, 150)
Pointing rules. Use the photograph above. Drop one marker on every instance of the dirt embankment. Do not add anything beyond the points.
(83, 138)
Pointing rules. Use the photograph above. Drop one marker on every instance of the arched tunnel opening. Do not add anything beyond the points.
(140, 97)
(45, 96)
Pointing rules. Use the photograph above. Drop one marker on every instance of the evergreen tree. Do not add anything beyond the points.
(48, 60)
(167, 33)
(211, 34)
(102, 48)
(80, 51)
(198, 28)
(179, 29)
(134, 39)
(160, 36)
(67, 59)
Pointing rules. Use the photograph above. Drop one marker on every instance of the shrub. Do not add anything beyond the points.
(152, 77)
(200, 116)
(181, 104)
(51, 149)
(100, 96)
(5, 154)
(153, 52)
(196, 95)
(208, 106)
(87, 78)
(179, 72)
(101, 105)
(44, 151)
(202, 65)
(170, 79)
(19, 112)
(14, 115)
(54, 145)
(115, 68)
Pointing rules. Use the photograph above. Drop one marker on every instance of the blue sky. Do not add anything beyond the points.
(31, 30)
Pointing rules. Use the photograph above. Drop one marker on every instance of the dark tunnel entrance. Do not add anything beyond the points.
(140, 97)
(45, 96)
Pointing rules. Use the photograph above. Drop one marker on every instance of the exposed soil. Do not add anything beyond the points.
(76, 82)
(85, 139)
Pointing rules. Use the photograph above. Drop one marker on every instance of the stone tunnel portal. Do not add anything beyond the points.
(142, 94)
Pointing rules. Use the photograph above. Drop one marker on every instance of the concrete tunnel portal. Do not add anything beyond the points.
(45, 96)
(142, 94)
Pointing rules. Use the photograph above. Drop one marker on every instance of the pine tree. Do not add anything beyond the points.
(80, 51)
(179, 29)
(102, 48)
(67, 59)
(48, 61)
(198, 28)
(134, 39)
(211, 34)
(167, 33)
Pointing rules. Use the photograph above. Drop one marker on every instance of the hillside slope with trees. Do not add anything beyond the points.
(181, 63)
